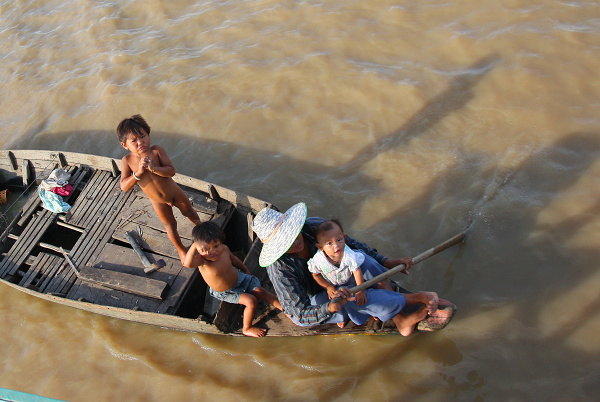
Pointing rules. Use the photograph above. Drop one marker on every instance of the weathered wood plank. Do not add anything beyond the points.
(104, 228)
(86, 197)
(9, 229)
(178, 277)
(13, 160)
(226, 210)
(32, 204)
(110, 194)
(201, 203)
(56, 265)
(86, 205)
(104, 296)
(27, 241)
(124, 282)
(34, 269)
(86, 192)
(28, 173)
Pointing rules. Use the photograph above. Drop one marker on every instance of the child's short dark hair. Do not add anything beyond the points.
(135, 125)
(328, 225)
(207, 232)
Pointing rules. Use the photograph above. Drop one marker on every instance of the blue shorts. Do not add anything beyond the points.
(245, 284)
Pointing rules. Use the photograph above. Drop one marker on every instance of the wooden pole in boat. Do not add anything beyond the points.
(402, 267)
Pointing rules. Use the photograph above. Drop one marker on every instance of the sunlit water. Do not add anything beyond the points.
(407, 120)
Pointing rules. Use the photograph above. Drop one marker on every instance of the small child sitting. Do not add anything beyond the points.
(217, 264)
(336, 265)
(149, 167)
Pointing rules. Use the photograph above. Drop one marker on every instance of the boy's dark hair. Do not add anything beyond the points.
(207, 232)
(328, 225)
(135, 125)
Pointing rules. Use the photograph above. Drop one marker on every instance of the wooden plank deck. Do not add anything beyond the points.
(27, 241)
(36, 226)
(88, 197)
(112, 257)
(107, 206)
(103, 212)
(140, 215)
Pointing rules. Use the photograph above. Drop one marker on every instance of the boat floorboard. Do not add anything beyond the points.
(103, 212)
(112, 257)
(139, 217)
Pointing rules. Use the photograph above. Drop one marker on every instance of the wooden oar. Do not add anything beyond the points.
(402, 267)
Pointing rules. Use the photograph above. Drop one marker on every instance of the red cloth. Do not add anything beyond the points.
(64, 191)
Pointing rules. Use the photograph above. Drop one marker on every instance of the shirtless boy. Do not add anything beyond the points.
(150, 167)
(217, 264)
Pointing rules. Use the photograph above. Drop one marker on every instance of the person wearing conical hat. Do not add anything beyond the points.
(289, 242)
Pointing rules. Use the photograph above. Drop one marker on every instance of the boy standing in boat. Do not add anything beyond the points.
(150, 167)
(217, 264)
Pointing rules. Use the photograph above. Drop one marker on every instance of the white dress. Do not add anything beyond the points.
(337, 276)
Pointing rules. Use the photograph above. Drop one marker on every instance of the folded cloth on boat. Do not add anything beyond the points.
(52, 202)
(63, 191)
(58, 178)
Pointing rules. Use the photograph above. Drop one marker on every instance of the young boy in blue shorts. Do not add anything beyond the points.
(217, 264)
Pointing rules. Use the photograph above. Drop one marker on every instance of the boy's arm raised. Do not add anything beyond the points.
(192, 258)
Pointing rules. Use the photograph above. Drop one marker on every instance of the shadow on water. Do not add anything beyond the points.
(504, 267)
(455, 97)
(278, 178)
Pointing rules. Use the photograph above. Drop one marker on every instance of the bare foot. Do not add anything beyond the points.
(439, 318)
(254, 332)
(406, 323)
(432, 302)
(342, 324)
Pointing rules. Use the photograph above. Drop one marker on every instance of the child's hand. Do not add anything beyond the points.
(149, 164)
(331, 291)
(361, 298)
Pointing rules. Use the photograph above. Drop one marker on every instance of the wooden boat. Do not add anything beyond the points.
(95, 256)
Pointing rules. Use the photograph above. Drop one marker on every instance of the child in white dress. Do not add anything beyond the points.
(336, 265)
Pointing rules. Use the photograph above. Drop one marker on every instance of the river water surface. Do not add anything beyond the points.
(408, 120)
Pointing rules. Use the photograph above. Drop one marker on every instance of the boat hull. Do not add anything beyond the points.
(95, 232)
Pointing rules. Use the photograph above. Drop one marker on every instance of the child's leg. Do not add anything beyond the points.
(165, 214)
(406, 323)
(249, 301)
(264, 294)
(185, 206)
